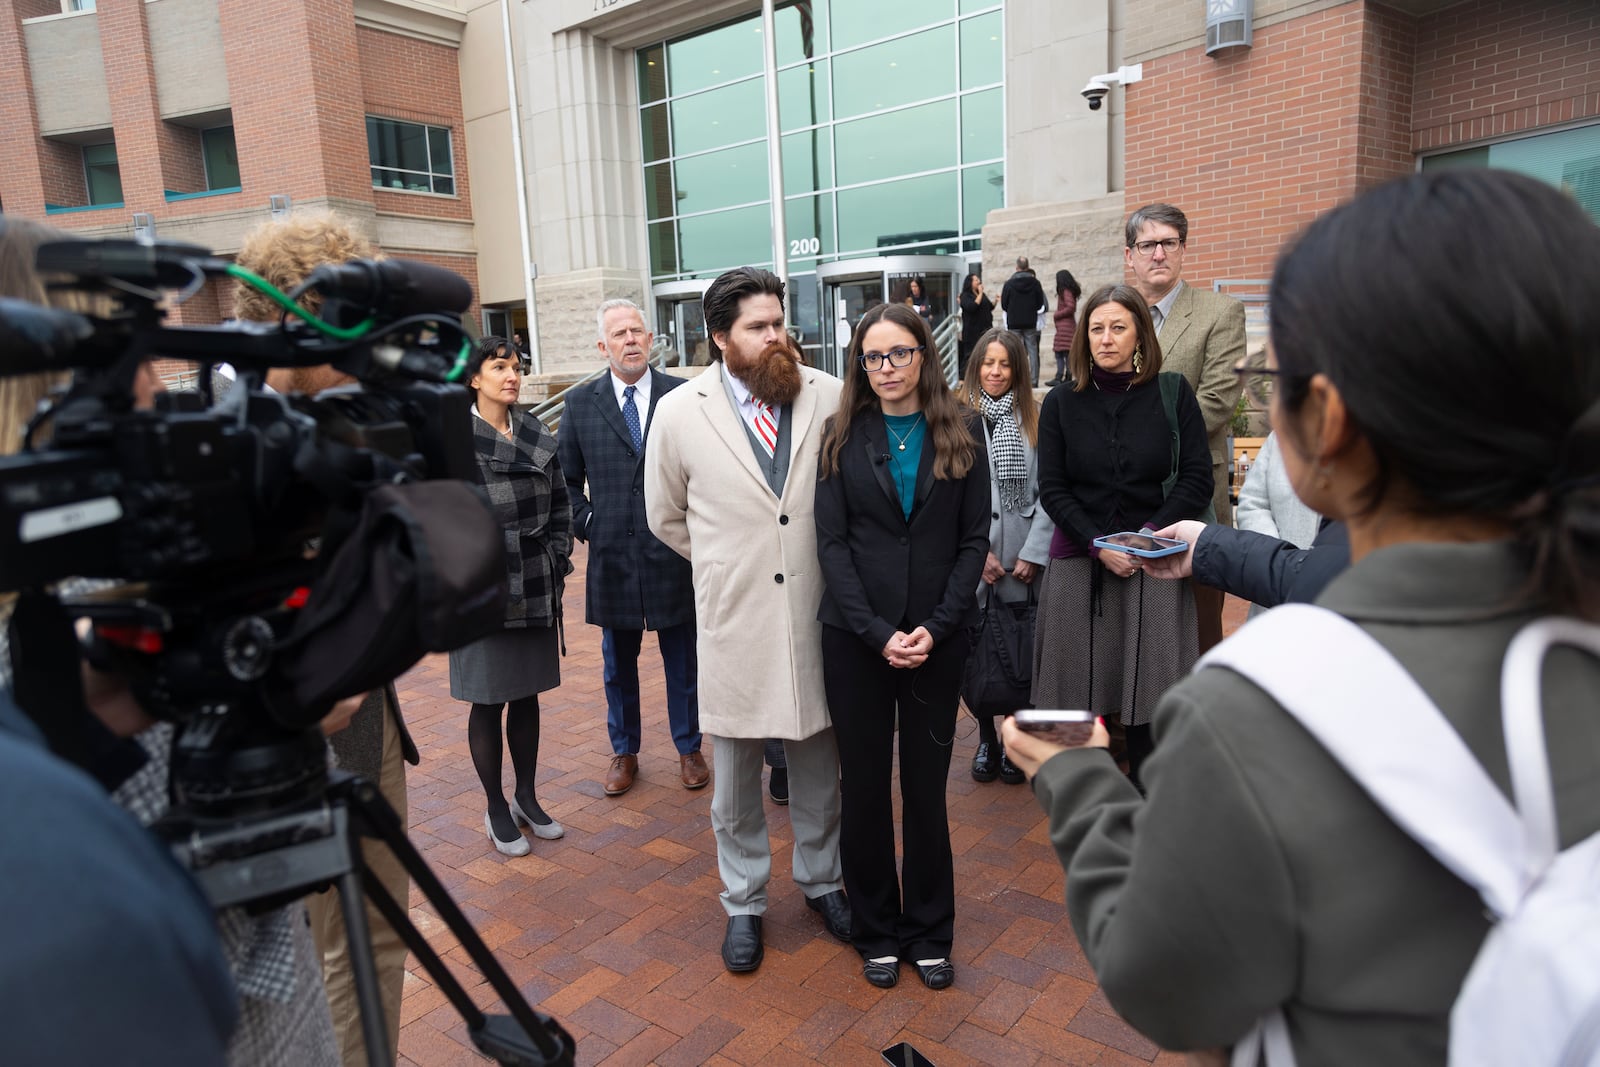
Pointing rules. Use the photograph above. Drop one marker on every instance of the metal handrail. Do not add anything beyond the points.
(946, 337)
(550, 409)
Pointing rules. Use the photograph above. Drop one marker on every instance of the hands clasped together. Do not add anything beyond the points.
(908, 650)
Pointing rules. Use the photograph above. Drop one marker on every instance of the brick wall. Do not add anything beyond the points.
(416, 81)
(1494, 67)
(1383, 139)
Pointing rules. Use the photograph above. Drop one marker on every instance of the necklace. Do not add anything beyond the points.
(900, 439)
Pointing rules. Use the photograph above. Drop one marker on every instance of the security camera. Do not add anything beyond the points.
(1099, 85)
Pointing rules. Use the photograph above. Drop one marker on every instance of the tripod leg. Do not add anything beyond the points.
(362, 968)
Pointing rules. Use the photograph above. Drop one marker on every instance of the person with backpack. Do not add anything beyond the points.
(1335, 832)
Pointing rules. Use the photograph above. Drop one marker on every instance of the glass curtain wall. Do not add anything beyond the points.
(892, 135)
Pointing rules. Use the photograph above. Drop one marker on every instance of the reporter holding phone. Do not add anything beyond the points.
(902, 514)
(1107, 639)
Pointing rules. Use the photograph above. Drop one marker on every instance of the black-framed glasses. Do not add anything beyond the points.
(1260, 380)
(896, 357)
(1146, 249)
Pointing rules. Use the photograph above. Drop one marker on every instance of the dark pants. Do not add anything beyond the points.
(1208, 616)
(619, 649)
(912, 917)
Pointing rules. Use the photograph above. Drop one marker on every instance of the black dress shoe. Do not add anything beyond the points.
(1010, 773)
(778, 785)
(741, 947)
(986, 763)
(882, 975)
(834, 908)
(937, 975)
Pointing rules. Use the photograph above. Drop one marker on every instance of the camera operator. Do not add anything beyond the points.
(285, 252)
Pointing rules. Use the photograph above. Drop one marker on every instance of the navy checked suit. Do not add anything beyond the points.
(634, 583)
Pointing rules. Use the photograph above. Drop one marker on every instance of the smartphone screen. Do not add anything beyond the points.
(1143, 542)
(905, 1055)
(1072, 728)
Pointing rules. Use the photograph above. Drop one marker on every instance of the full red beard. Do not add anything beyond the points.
(773, 377)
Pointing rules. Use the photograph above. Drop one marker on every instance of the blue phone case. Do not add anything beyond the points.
(1169, 546)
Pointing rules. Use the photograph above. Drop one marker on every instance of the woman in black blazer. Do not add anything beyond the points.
(902, 514)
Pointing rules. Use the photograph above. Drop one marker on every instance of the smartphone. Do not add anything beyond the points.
(1071, 728)
(1138, 544)
(905, 1055)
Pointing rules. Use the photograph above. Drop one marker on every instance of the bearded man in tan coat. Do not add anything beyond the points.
(730, 479)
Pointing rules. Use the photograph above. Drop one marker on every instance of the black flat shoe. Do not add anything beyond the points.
(741, 946)
(834, 908)
(1010, 773)
(938, 975)
(986, 764)
(882, 975)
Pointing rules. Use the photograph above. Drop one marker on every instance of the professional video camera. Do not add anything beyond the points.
(271, 553)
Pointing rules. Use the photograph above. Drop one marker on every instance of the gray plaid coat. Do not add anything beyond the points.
(529, 497)
(634, 581)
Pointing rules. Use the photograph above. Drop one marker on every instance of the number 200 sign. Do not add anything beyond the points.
(805, 246)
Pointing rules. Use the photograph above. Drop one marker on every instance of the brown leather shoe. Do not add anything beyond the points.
(619, 779)
(694, 772)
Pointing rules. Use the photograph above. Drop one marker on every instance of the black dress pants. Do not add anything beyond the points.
(913, 916)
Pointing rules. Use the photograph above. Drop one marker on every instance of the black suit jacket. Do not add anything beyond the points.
(884, 572)
(634, 581)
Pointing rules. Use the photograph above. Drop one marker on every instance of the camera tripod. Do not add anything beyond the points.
(279, 856)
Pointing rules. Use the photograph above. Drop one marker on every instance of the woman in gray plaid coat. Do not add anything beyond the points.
(517, 465)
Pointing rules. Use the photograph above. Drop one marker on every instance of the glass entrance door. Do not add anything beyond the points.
(844, 301)
(681, 323)
(851, 287)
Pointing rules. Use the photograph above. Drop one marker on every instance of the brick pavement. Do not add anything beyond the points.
(615, 928)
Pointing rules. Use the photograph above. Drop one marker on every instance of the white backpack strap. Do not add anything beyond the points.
(1521, 697)
(1373, 718)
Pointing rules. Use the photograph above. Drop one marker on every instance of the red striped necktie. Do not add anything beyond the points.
(766, 427)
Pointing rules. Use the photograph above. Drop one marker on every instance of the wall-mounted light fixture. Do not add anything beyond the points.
(144, 227)
(1228, 25)
(280, 206)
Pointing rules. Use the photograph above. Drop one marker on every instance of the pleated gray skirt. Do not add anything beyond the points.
(508, 665)
(1117, 656)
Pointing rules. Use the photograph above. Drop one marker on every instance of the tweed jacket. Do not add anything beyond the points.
(529, 496)
(757, 583)
(1202, 339)
(634, 582)
(1258, 860)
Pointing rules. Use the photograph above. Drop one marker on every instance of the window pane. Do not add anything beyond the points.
(895, 72)
(659, 202)
(723, 116)
(446, 186)
(653, 131)
(715, 57)
(724, 239)
(981, 62)
(858, 21)
(373, 137)
(914, 211)
(802, 30)
(439, 150)
(722, 179)
(901, 142)
(803, 95)
(805, 314)
(982, 126)
(808, 161)
(983, 189)
(221, 158)
(969, 6)
(1567, 159)
(652, 73)
(663, 251)
(102, 178)
(809, 222)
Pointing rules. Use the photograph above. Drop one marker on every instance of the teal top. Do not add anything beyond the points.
(906, 433)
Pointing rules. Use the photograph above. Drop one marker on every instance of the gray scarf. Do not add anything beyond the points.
(1005, 444)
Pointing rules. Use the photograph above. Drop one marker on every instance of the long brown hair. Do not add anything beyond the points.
(20, 394)
(1024, 404)
(1149, 349)
(953, 447)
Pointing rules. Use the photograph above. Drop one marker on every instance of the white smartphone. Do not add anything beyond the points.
(1072, 728)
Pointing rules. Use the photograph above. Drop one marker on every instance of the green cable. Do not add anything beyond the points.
(461, 362)
(338, 333)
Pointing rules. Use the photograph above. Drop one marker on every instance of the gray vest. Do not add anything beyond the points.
(775, 468)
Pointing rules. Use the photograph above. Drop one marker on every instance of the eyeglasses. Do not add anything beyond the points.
(1146, 249)
(896, 357)
(1260, 380)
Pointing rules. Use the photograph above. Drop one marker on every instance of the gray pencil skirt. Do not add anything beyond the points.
(508, 665)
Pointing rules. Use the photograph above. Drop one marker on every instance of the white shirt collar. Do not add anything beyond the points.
(1166, 302)
(741, 391)
(641, 390)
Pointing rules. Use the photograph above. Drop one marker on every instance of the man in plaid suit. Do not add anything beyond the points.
(635, 583)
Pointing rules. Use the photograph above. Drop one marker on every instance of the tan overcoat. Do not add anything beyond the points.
(1202, 339)
(757, 584)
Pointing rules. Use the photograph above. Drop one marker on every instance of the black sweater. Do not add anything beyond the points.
(1104, 455)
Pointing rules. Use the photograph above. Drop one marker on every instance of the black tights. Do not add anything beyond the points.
(986, 730)
(522, 737)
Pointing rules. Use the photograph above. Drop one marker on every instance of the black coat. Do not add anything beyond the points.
(1104, 455)
(1267, 571)
(977, 317)
(1022, 298)
(634, 581)
(884, 572)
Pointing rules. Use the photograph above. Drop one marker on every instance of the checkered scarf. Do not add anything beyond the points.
(1005, 445)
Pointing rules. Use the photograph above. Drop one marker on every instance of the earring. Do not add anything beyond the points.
(1138, 360)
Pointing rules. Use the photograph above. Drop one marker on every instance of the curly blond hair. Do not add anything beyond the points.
(285, 251)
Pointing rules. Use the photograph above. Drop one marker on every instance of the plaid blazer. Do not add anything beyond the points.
(634, 581)
(529, 497)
